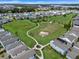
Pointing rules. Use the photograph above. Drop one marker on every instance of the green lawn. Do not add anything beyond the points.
(54, 30)
(49, 53)
(61, 19)
(19, 28)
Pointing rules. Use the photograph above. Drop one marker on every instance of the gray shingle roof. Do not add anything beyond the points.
(77, 44)
(5, 38)
(76, 22)
(3, 33)
(62, 45)
(76, 18)
(12, 40)
(15, 51)
(25, 54)
(13, 45)
(75, 30)
(73, 53)
(70, 37)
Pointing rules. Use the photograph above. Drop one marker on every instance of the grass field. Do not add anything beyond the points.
(54, 30)
(61, 19)
(19, 28)
(49, 53)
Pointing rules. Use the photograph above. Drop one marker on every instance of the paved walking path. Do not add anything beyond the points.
(31, 30)
(35, 47)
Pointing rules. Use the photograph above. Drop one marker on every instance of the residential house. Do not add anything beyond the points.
(73, 53)
(68, 43)
(60, 45)
(14, 47)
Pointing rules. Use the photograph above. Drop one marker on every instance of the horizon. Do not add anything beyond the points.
(39, 1)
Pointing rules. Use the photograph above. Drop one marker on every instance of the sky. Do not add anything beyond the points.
(40, 1)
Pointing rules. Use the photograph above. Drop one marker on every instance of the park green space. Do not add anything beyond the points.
(54, 30)
(62, 19)
(19, 28)
(54, 26)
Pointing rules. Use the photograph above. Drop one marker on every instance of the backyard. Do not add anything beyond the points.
(49, 53)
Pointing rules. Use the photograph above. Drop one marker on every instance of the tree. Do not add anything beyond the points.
(78, 39)
(44, 19)
(15, 10)
(51, 8)
(16, 33)
(9, 56)
(1, 25)
(77, 57)
(30, 9)
(67, 26)
(64, 15)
